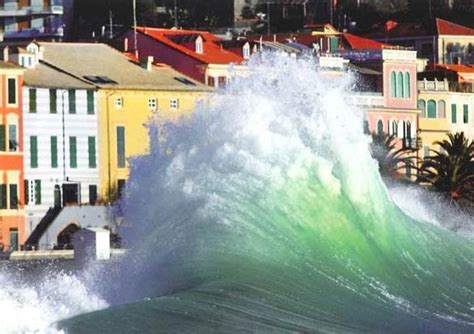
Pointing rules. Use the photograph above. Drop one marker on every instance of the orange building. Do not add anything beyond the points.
(12, 229)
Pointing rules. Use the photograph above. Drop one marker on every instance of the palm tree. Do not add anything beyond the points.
(450, 170)
(392, 159)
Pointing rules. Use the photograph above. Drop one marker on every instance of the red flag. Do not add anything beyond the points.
(390, 25)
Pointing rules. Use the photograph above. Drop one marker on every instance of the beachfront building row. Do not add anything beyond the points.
(81, 113)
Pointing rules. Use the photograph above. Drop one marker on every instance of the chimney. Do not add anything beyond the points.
(125, 45)
(6, 52)
(147, 63)
(458, 60)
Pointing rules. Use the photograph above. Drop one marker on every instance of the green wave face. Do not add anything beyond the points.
(266, 213)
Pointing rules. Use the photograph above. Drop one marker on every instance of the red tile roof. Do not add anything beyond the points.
(448, 28)
(213, 52)
(356, 42)
(456, 68)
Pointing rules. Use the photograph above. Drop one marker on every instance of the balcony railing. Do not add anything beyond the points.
(412, 142)
(435, 85)
(367, 99)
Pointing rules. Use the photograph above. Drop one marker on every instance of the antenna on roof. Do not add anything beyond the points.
(135, 27)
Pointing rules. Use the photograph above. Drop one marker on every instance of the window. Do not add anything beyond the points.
(120, 187)
(53, 101)
(431, 109)
(72, 101)
(393, 84)
(92, 159)
(120, 146)
(407, 168)
(73, 152)
(395, 128)
(211, 81)
(32, 100)
(174, 103)
(34, 152)
(54, 152)
(3, 145)
(426, 151)
(465, 114)
(38, 192)
(441, 109)
(400, 92)
(11, 91)
(92, 194)
(366, 127)
(3, 196)
(406, 85)
(246, 50)
(379, 127)
(152, 104)
(454, 114)
(119, 102)
(13, 196)
(199, 45)
(422, 107)
(26, 189)
(12, 138)
(90, 102)
(222, 82)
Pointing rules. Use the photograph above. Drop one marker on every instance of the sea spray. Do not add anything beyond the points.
(264, 211)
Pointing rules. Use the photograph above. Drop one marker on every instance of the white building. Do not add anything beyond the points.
(60, 140)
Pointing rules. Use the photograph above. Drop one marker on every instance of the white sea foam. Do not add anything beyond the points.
(27, 307)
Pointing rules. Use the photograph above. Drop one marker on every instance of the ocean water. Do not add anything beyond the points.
(264, 212)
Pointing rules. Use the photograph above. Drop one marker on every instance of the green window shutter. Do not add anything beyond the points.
(120, 146)
(333, 44)
(13, 196)
(3, 196)
(431, 109)
(90, 102)
(32, 100)
(393, 84)
(400, 92)
(422, 106)
(2, 138)
(453, 113)
(53, 109)
(27, 192)
(11, 91)
(92, 160)
(37, 192)
(34, 152)
(54, 152)
(406, 85)
(72, 101)
(12, 142)
(465, 114)
(73, 152)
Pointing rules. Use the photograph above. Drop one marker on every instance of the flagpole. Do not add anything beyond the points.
(135, 27)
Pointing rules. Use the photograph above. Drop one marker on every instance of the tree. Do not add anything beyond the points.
(450, 171)
(393, 160)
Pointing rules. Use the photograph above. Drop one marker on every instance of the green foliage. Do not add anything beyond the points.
(392, 160)
(450, 170)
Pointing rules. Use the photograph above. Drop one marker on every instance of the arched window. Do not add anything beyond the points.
(406, 84)
(379, 127)
(422, 107)
(394, 128)
(246, 50)
(199, 46)
(393, 84)
(400, 92)
(408, 129)
(431, 109)
(441, 109)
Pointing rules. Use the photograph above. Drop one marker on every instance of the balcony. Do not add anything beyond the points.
(412, 142)
(12, 10)
(370, 99)
(43, 32)
(438, 86)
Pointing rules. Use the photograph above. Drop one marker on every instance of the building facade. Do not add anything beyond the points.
(197, 54)
(12, 226)
(61, 141)
(34, 19)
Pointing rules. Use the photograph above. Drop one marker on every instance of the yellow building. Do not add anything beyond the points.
(128, 95)
(443, 111)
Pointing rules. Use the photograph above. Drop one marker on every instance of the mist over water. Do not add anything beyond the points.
(264, 211)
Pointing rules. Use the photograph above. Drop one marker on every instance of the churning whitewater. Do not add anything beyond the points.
(264, 212)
